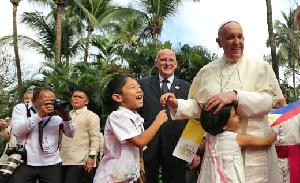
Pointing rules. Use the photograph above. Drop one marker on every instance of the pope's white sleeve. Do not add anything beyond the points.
(252, 104)
(186, 109)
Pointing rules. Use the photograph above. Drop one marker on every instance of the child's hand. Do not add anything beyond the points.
(161, 117)
(272, 137)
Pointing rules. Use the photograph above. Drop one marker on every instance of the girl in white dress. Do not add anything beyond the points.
(223, 161)
(124, 135)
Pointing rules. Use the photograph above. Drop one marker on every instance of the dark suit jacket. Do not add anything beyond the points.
(167, 137)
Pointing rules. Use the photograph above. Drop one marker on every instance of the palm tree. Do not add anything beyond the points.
(15, 4)
(272, 39)
(95, 13)
(107, 49)
(153, 13)
(156, 12)
(44, 26)
(128, 31)
(58, 33)
(191, 60)
(289, 47)
(60, 4)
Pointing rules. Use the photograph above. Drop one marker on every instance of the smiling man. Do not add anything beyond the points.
(159, 150)
(79, 153)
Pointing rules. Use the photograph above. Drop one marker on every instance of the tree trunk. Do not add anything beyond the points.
(294, 83)
(272, 39)
(59, 11)
(87, 44)
(15, 41)
(67, 60)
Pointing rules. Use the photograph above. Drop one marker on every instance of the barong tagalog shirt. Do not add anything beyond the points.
(257, 87)
(75, 151)
(27, 129)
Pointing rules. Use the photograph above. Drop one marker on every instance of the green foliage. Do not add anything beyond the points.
(2, 145)
(191, 60)
(141, 58)
(107, 49)
(287, 40)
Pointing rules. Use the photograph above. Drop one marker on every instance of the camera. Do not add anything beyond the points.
(17, 155)
(19, 149)
(12, 163)
(61, 105)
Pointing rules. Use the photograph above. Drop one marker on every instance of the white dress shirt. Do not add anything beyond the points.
(27, 129)
(171, 79)
(121, 161)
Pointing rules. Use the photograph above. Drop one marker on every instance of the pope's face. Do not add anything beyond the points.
(232, 41)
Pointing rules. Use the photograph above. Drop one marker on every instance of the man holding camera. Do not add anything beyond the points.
(79, 153)
(38, 127)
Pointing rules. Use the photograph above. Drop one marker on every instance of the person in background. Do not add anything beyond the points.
(4, 131)
(158, 155)
(27, 98)
(247, 82)
(11, 139)
(79, 153)
(38, 126)
(124, 135)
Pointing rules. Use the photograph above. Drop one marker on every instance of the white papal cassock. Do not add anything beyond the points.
(257, 87)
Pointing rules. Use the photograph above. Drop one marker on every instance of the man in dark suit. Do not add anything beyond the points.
(159, 151)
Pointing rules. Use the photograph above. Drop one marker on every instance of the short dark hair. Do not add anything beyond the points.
(38, 90)
(114, 86)
(214, 123)
(81, 90)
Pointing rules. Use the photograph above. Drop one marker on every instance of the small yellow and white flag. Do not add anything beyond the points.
(189, 141)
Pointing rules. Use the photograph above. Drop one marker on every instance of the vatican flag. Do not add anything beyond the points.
(189, 141)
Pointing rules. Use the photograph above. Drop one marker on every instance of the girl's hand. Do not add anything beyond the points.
(272, 137)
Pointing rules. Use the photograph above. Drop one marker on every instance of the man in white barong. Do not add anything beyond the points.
(250, 83)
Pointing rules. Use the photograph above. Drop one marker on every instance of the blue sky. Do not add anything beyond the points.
(194, 24)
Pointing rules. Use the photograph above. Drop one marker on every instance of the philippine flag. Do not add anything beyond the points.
(285, 113)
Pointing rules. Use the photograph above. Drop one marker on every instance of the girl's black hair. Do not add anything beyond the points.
(214, 123)
(114, 86)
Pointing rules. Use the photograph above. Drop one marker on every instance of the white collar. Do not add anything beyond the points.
(132, 115)
(171, 78)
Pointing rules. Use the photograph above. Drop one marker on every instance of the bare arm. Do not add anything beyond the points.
(250, 140)
(143, 139)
